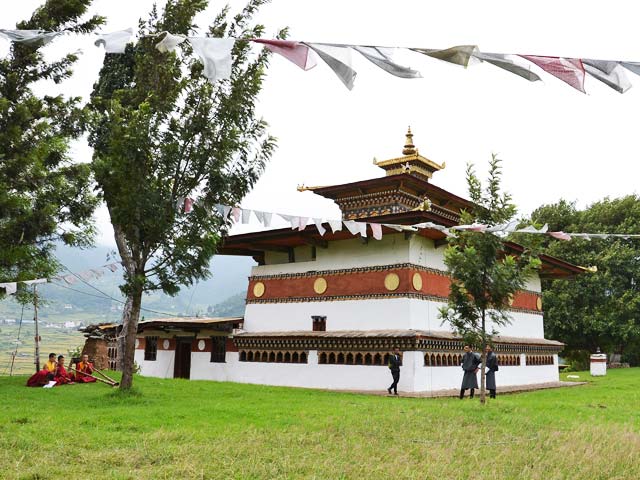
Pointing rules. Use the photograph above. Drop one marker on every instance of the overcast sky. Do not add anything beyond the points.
(555, 141)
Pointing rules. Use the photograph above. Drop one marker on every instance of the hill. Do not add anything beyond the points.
(199, 429)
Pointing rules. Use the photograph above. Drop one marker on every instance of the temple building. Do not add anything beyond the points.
(325, 311)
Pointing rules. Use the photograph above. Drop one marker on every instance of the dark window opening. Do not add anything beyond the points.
(150, 349)
(319, 323)
(218, 349)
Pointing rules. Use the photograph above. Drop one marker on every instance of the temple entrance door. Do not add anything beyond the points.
(182, 366)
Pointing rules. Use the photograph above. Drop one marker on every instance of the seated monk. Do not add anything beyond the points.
(82, 369)
(61, 376)
(41, 378)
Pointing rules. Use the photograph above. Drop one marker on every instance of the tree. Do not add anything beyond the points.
(44, 196)
(484, 275)
(602, 309)
(162, 132)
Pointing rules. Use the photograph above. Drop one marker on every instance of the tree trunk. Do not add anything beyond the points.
(483, 391)
(129, 331)
(126, 315)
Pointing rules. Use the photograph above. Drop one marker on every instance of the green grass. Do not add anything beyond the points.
(196, 429)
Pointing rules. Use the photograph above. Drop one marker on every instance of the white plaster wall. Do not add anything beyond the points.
(383, 314)
(342, 254)
(162, 367)
(310, 375)
(533, 284)
(422, 252)
(414, 376)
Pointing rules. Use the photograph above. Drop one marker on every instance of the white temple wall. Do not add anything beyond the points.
(414, 376)
(309, 375)
(338, 255)
(162, 367)
(382, 314)
(422, 251)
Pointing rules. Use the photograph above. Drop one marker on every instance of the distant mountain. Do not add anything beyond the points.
(229, 276)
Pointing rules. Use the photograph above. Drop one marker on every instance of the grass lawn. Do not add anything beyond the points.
(197, 429)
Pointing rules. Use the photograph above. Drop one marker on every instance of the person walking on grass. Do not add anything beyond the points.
(470, 362)
(492, 368)
(395, 361)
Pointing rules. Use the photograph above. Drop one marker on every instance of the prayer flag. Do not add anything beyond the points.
(615, 79)
(560, 235)
(376, 230)
(170, 42)
(352, 227)
(338, 58)
(215, 54)
(336, 225)
(246, 216)
(226, 210)
(459, 55)
(503, 61)
(9, 287)
(383, 58)
(362, 228)
(295, 52)
(188, 205)
(235, 213)
(29, 37)
(115, 42)
(319, 226)
(302, 223)
(569, 70)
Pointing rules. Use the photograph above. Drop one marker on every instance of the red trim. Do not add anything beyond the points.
(598, 360)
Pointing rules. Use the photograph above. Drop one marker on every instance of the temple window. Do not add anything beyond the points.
(218, 349)
(319, 323)
(150, 349)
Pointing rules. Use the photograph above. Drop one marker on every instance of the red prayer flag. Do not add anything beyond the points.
(188, 205)
(295, 52)
(569, 70)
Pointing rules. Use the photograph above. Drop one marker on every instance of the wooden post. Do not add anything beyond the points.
(35, 319)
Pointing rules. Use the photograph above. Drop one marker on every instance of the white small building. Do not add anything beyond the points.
(325, 311)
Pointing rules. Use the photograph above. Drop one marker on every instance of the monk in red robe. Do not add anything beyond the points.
(61, 376)
(44, 376)
(83, 370)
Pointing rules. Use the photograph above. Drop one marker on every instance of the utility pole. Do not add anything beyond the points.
(35, 319)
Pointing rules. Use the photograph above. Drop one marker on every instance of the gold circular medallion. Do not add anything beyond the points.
(320, 285)
(510, 299)
(391, 281)
(539, 303)
(258, 289)
(417, 281)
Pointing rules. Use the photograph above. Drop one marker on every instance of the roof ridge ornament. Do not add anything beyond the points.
(409, 147)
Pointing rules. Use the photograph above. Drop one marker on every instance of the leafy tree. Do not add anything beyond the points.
(484, 275)
(602, 309)
(161, 132)
(44, 197)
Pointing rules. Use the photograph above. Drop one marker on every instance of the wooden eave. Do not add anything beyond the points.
(404, 182)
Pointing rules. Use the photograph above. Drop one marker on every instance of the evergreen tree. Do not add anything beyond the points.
(161, 132)
(44, 196)
(484, 275)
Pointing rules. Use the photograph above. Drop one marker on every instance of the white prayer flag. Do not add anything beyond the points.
(352, 227)
(302, 223)
(267, 218)
(10, 287)
(376, 230)
(246, 216)
(215, 54)
(235, 213)
(319, 226)
(336, 225)
(170, 42)
(225, 211)
(115, 42)
(362, 228)
(70, 279)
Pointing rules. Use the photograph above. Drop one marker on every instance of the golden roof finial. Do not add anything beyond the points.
(409, 147)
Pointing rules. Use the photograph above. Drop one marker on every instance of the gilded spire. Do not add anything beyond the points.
(409, 147)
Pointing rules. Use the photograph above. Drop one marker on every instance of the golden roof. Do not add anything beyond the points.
(410, 162)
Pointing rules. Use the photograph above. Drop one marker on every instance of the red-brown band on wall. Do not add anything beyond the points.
(363, 283)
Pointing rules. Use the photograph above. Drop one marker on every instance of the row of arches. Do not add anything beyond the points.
(273, 357)
(353, 358)
(455, 360)
(539, 359)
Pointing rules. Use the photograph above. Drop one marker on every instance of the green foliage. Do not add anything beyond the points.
(174, 428)
(600, 309)
(162, 132)
(44, 197)
(484, 274)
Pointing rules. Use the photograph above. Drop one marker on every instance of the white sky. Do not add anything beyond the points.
(555, 141)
